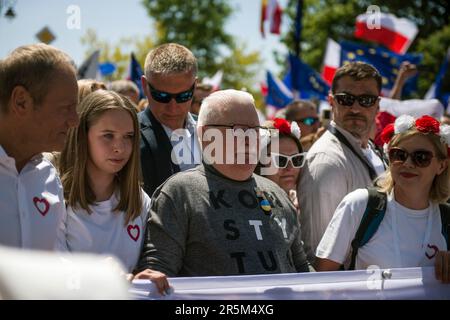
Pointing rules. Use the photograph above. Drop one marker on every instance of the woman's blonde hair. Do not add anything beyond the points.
(440, 189)
(74, 157)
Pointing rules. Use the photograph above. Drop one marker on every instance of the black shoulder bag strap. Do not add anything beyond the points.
(373, 175)
(374, 214)
(379, 152)
(445, 220)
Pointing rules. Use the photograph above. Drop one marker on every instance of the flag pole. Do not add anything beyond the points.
(298, 27)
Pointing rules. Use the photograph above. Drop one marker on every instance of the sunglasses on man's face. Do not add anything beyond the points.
(309, 121)
(165, 97)
(281, 160)
(420, 158)
(347, 99)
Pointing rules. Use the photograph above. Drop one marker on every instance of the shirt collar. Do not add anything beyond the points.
(3, 154)
(189, 126)
(351, 138)
(11, 162)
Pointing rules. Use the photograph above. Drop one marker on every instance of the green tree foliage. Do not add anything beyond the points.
(118, 52)
(200, 26)
(240, 70)
(335, 19)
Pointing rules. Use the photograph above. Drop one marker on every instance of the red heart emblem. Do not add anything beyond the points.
(435, 249)
(41, 205)
(134, 232)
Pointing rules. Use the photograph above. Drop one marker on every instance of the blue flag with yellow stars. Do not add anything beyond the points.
(278, 95)
(385, 61)
(306, 80)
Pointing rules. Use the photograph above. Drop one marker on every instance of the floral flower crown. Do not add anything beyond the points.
(424, 124)
(287, 128)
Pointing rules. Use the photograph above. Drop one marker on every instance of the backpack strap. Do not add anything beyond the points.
(374, 214)
(444, 208)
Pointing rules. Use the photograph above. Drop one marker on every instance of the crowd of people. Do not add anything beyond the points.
(191, 183)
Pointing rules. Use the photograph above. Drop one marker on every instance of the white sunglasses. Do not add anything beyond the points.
(281, 160)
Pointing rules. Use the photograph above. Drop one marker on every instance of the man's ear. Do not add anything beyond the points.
(330, 98)
(378, 104)
(145, 86)
(200, 130)
(21, 101)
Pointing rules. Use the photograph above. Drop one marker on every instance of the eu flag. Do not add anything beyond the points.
(278, 95)
(385, 61)
(136, 74)
(441, 86)
(306, 80)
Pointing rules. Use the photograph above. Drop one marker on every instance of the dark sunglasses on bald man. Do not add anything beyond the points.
(347, 99)
(165, 97)
(420, 158)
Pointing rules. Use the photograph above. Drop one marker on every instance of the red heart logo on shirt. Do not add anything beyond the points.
(134, 232)
(435, 250)
(41, 205)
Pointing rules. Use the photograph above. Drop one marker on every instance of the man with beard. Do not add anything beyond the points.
(344, 158)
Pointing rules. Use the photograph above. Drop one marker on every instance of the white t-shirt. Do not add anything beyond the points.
(104, 231)
(31, 204)
(400, 228)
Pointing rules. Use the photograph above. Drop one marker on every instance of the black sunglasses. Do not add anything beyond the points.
(347, 99)
(165, 97)
(420, 158)
(281, 160)
(309, 121)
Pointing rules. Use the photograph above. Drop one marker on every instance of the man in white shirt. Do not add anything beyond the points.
(343, 159)
(38, 99)
(169, 142)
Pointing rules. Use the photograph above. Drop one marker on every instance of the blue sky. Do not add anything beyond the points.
(115, 19)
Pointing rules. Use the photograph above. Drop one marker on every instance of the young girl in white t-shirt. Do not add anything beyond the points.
(410, 234)
(107, 208)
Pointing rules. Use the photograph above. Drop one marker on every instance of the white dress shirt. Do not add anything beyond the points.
(185, 140)
(331, 171)
(32, 209)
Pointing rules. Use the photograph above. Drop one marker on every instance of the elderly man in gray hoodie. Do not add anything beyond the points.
(220, 218)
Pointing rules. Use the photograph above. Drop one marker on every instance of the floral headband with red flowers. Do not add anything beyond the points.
(424, 124)
(287, 128)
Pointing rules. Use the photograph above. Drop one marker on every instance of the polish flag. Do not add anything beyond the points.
(331, 61)
(263, 16)
(396, 34)
(274, 12)
(271, 10)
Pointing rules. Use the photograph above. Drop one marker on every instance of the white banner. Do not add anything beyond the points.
(376, 284)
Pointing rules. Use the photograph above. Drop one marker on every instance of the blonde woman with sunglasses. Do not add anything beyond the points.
(411, 232)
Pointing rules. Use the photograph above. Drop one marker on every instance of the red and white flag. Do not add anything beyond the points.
(271, 11)
(215, 81)
(396, 34)
(331, 61)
